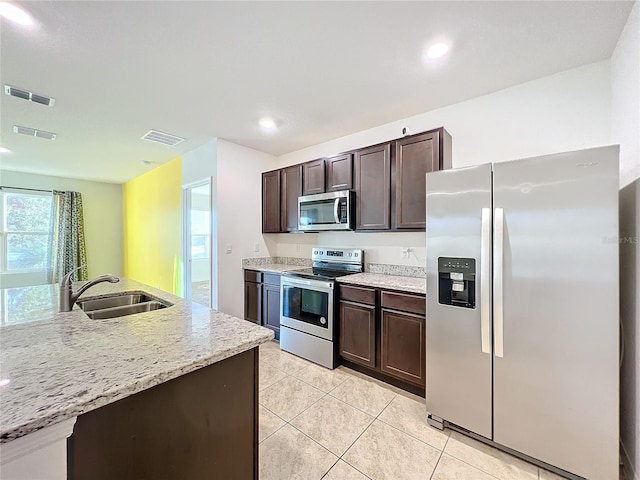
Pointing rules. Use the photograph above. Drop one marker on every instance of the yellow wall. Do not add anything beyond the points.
(152, 227)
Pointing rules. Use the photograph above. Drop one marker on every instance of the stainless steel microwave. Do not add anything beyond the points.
(326, 211)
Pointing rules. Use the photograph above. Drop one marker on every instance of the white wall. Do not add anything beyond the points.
(567, 111)
(625, 125)
(239, 206)
(197, 165)
(102, 216)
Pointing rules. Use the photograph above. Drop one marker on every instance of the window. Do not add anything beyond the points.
(25, 231)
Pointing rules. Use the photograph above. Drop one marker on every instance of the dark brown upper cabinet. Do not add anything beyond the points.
(388, 180)
(414, 157)
(291, 189)
(372, 182)
(340, 172)
(313, 174)
(271, 202)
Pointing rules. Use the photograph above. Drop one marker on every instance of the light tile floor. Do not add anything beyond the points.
(338, 424)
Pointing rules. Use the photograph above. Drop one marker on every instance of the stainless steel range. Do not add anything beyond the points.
(308, 304)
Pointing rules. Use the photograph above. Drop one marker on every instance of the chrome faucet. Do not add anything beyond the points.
(68, 298)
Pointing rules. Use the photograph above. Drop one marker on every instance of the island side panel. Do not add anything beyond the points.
(201, 425)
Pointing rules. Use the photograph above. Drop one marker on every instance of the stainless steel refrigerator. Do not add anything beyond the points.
(522, 307)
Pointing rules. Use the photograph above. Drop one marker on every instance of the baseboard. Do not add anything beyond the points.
(629, 470)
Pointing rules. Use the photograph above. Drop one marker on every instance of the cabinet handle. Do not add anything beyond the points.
(498, 260)
(485, 281)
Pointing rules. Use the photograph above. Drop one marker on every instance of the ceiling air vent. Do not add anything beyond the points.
(32, 132)
(163, 138)
(30, 96)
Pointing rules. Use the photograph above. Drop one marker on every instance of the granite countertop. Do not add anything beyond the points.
(275, 264)
(275, 267)
(392, 282)
(55, 366)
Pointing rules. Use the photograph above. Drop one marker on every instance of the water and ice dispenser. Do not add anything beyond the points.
(457, 282)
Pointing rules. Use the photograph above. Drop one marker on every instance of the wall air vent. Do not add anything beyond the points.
(163, 138)
(30, 96)
(32, 132)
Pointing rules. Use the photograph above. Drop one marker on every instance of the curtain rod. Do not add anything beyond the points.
(29, 189)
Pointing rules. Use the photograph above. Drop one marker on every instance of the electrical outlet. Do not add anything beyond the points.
(228, 249)
(405, 252)
(256, 248)
(297, 248)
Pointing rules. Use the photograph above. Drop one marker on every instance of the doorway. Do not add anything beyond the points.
(197, 244)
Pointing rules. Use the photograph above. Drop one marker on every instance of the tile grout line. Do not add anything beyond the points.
(476, 467)
(439, 457)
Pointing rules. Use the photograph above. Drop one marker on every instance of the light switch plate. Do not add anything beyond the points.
(228, 249)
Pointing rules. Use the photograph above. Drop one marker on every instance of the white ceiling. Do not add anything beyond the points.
(207, 69)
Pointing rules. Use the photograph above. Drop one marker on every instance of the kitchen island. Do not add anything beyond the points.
(147, 388)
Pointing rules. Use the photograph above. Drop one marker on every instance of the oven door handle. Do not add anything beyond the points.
(298, 282)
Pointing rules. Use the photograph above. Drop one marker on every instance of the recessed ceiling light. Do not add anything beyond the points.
(15, 14)
(437, 50)
(267, 123)
(4, 150)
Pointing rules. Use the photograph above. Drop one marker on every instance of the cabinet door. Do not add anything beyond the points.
(271, 307)
(271, 202)
(313, 177)
(402, 346)
(291, 190)
(252, 301)
(372, 172)
(415, 157)
(340, 172)
(358, 333)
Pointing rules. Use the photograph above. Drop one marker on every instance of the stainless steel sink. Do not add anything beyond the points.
(121, 304)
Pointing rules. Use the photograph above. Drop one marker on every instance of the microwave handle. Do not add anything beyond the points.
(336, 210)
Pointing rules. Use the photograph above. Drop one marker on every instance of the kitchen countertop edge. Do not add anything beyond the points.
(390, 282)
(247, 336)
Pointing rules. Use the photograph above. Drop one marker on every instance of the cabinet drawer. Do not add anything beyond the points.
(271, 278)
(358, 294)
(252, 276)
(404, 302)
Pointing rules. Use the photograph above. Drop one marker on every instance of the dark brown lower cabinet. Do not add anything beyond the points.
(402, 346)
(253, 296)
(382, 333)
(262, 299)
(200, 425)
(358, 333)
(252, 302)
(271, 307)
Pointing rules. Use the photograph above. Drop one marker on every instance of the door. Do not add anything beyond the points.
(307, 306)
(197, 242)
(271, 202)
(458, 342)
(313, 174)
(340, 173)
(372, 181)
(358, 333)
(556, 364)
(271, 302)
(402, 352)
(291, 190)
(415, 156)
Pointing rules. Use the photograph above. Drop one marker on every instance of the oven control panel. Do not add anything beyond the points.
(337, 255)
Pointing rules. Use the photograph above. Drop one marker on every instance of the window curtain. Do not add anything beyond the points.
(68, 250)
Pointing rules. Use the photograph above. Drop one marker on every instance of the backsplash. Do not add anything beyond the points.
(403, 270)
(259, 261)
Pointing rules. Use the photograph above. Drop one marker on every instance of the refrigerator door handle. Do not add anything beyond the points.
(485, 281)
(498, 307)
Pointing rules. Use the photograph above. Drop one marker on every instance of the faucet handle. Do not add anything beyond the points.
(67, 278)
